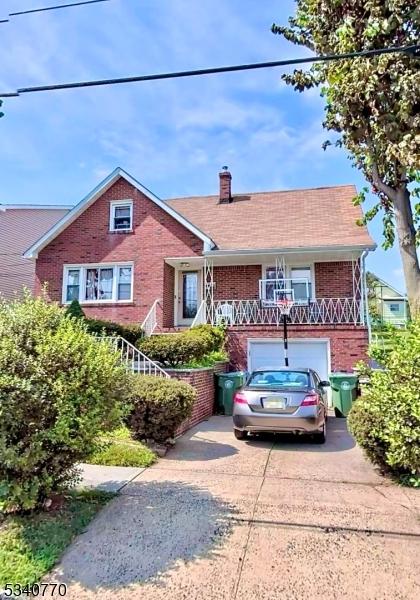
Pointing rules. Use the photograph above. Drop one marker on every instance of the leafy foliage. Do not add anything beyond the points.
(129, 332)
(75, 310)
(177, 349)
(385, 420)
(372, 104)
(100, 327)
(159, 406)
(59, 387)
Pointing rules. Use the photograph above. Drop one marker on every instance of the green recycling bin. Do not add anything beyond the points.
(227, 384)
(344, 392)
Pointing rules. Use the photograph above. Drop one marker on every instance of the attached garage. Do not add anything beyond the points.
(312, 353)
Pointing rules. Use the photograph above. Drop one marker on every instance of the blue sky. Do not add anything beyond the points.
(171, 135)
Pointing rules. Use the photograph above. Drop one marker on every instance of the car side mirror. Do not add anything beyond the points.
(325, 384)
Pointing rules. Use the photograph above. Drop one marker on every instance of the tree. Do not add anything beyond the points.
(373, 104)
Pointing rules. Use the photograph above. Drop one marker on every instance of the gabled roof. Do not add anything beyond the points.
(306, 218)
(88, 200)
(383, 283)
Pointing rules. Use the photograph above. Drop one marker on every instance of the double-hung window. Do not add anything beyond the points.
(121, 215)
(301, 284)
(98, 283)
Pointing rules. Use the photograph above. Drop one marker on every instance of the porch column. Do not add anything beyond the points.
(357, 275)
(209, 289)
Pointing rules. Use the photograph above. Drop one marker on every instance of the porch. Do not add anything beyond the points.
(326, 288)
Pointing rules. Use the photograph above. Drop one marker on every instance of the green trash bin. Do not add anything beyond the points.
(227, 384)
(344, 392)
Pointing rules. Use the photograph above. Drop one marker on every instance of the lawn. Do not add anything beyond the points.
(30, 545)
(120, 450)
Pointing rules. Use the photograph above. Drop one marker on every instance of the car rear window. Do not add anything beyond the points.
(279, 379)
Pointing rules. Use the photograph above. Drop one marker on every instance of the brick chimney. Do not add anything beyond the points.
(225, 194)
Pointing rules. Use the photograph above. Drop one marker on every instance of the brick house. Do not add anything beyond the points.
(131, 257)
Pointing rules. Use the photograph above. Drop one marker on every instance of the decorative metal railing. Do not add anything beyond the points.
(150, 322)
(322, 311)
(200, 317)
(136, 361)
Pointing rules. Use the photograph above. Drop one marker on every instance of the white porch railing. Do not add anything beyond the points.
(135, 360)
(150, 322)
(200, 317)
(322, 311)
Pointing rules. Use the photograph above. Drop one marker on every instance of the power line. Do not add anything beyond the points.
(55, 7)
(414, 50)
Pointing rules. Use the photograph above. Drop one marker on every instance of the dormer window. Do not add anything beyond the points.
(121, 215)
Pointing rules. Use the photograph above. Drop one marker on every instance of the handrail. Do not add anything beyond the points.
(200, 317)
(150, 322)
(135, 359)
(322, 311)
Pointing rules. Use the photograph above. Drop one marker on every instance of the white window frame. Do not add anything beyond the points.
(117, 204)
(288, 274)
(82, 282)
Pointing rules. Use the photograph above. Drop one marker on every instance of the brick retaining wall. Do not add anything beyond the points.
(203, 381)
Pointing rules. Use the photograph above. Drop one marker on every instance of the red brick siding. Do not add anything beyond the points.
(168, 295)
(156, 235)
(203, 381)
(334, 279)
(237, 282)
(348, 344)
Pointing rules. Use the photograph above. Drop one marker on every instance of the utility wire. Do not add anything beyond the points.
(55, 7)
(413, 50)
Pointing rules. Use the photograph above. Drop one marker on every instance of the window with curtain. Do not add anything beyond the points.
(98, 284)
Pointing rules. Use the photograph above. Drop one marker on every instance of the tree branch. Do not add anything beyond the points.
(381, 185)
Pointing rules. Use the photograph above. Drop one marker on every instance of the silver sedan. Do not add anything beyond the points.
(281, 400)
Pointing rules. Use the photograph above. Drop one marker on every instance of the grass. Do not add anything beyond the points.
(120, 450)
(30, 545)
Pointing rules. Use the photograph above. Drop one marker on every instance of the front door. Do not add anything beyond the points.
(189, 296)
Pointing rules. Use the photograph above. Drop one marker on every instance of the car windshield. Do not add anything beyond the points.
(279, 379)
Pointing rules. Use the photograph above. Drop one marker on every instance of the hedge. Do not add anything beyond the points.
(100, 327)
(59, 388)
(175, 349)
(158, 407)
(385, 420)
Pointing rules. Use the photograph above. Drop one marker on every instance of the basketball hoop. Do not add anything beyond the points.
(284, 305)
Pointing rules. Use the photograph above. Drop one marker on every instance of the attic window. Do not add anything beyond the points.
(121, 215)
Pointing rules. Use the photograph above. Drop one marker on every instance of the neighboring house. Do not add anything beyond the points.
(131, 257)
(387, 304)
(20, 226)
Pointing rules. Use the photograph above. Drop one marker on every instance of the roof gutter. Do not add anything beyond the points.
(307, 249)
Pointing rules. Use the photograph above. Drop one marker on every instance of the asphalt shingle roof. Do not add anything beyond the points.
(285, 219)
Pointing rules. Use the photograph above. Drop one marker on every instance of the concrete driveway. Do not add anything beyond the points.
(270, 518)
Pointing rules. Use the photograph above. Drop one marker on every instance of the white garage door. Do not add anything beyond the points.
(310, 354)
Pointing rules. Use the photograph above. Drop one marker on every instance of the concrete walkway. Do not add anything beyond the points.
(270, 518)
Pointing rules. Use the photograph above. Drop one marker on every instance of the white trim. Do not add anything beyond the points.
(100, 189)
(178, 320)
(5, 207)
(112, 206)
(292, 250)
(82, 282)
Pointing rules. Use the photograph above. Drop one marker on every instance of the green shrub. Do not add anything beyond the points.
(119, 449)
(385, 420)
(129, 332)
(217, 335)
(159, 406)
(75, 310)
(175, 349)
(59, 387)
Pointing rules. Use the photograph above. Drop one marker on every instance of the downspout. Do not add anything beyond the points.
(365, 295)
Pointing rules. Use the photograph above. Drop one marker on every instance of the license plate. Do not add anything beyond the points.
(278, 403)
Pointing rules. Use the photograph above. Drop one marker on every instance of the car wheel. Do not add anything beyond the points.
(321, 436)
(240, 435)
